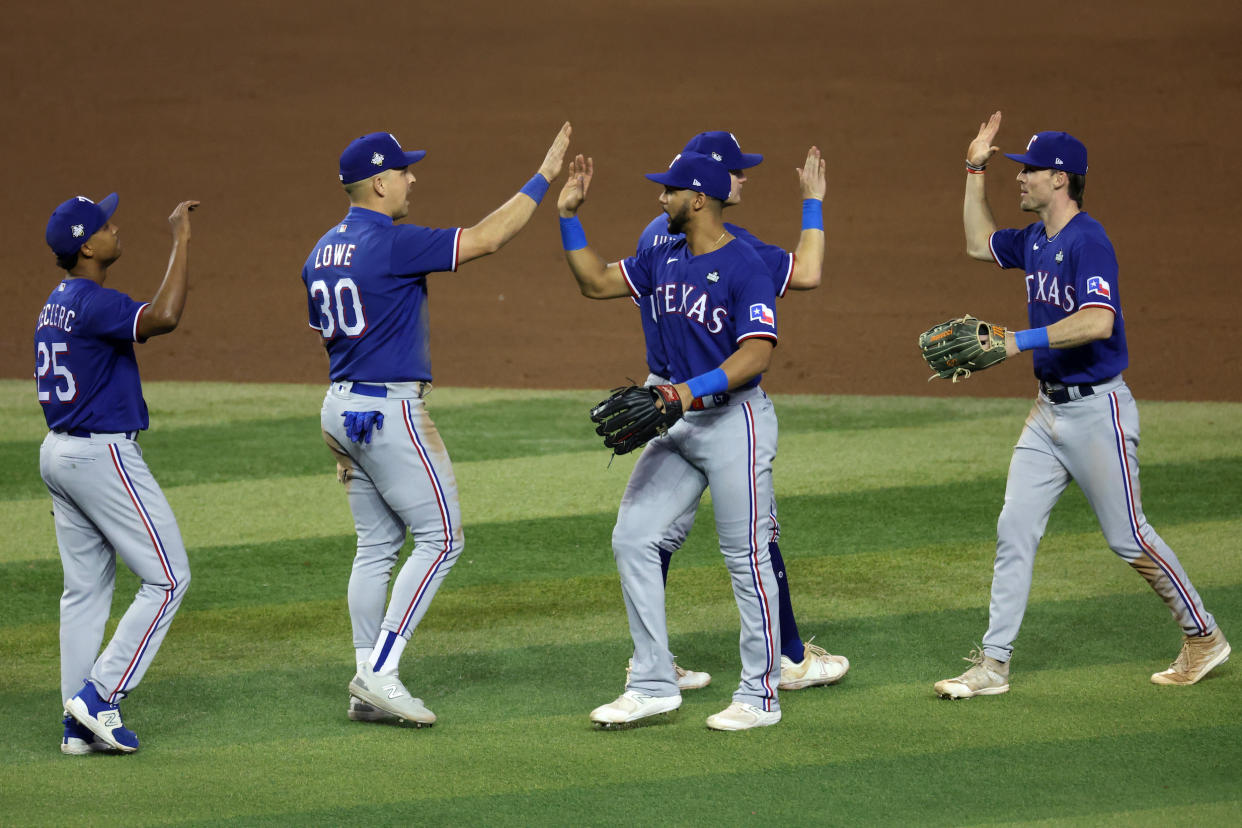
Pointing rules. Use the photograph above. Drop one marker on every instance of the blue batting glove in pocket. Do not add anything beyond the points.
(358, 424)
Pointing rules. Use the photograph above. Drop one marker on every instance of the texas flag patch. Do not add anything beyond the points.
(1099, 287)
(762, 313)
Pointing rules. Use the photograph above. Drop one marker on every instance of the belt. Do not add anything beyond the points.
(1059, 394)
(382, 389)
(86, 435)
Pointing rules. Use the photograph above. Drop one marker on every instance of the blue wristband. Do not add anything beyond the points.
(1031, 338)
(812, 214)
(713, 382)
(536, 188)
(573, 237)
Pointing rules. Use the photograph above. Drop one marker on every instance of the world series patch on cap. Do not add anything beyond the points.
(370, 154)
(76, 220)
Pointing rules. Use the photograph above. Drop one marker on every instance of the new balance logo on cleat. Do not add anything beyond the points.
(394, 691)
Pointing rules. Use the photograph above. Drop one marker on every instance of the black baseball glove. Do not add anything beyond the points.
(956, 348)
(634, 415)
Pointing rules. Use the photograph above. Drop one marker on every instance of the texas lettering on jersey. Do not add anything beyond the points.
(1046, 287)
(691, 302)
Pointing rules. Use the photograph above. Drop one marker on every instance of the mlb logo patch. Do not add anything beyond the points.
(1099, 287)
(762, 313)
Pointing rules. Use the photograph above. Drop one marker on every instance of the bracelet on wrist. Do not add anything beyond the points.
(975, 168)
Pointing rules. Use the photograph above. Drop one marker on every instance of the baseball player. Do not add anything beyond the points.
(1084, 424)
(715, 308)
(105, 502)
(366, 282)
(802, 664)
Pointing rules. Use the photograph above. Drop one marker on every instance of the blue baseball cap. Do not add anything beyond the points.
(76, 220)
(1054, 151)
(723, 147)
(374, 153)
(698, 172)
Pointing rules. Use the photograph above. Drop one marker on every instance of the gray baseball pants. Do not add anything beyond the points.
(729, 449)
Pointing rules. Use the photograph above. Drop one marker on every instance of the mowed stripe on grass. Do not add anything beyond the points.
(242, 715)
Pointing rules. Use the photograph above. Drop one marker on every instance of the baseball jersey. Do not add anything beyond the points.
(85, 369)
(366, 289)
(779, 264)
(1074, 269)
(704, 306)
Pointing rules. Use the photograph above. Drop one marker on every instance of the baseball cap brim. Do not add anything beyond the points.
(749, 159)
(108, 204)
(677, 182)
(411, 157)
(1025, 159)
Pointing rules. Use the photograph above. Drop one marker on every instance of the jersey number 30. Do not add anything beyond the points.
(337, 306)
(48, 365)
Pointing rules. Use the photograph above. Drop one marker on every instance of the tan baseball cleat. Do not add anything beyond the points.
(388, 694)
(987, 677)
(818, 667)
(1200, 654)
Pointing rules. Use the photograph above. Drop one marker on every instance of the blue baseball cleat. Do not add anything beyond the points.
(102, 719)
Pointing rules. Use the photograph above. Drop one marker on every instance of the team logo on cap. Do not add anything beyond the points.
(377, 159)
(1033, 139)
(734, 137)
(85, 199)
(717, 156)
(674, 161)
(78, 231)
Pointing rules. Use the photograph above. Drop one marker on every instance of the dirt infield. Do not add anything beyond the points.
(246, 106)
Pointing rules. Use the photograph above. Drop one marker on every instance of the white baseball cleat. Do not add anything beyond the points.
(987, 677)
(1200, 654)
(818, 667)
(686, 679)
(631, 706)
(360, 711)
(742, 716)
(387, 693)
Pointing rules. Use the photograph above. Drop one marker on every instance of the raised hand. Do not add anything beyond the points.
(179, 221)
(981, 149)
(555, 158)
(813, 177)
(574, 193)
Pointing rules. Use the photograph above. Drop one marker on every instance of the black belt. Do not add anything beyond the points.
(1058, 394)
(81, 432)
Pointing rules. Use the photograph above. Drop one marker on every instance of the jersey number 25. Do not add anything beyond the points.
(48, 365)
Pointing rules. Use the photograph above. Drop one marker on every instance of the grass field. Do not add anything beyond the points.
(888, 510)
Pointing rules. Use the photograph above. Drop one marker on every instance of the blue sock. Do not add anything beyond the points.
(666, 558)
(791, 643)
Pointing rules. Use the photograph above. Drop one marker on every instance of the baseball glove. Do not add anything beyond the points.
(957, 348)
(633, 415)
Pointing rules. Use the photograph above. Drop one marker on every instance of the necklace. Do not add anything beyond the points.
(722, 235)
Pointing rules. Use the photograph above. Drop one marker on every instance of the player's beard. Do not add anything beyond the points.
(677, 223)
